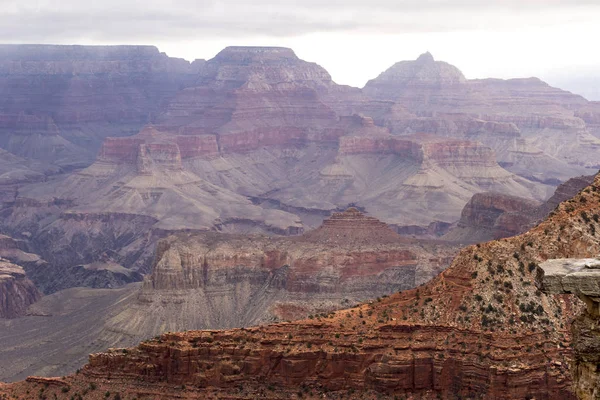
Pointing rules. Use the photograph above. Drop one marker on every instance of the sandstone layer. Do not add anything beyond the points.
(94, 92)
(479, 329)
(17, 292)
(492, 215)
(539, 132)
(260, 141)
(214, 280)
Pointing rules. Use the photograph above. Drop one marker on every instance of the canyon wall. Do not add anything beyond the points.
(494, 215)
(17, 292)
(210, 280)
(242, 281)
(62, 101)
(480, 329)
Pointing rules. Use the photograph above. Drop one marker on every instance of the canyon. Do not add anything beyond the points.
(257, 140)
(216, 280)
(142, 195)
(480, 329)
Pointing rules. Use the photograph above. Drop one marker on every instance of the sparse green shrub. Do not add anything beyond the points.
(532, 266)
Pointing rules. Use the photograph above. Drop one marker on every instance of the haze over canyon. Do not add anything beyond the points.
(142, 194)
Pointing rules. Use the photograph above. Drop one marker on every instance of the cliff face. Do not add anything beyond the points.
(96, 91)
(537, 131)
(211, 280)
(479, 329)
(580, 277)
(241, 281)
(587, 356)
(17, 292)
(258, 143)
(493, 215)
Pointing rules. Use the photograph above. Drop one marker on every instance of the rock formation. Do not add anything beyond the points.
(479, 329)
(580, 277)
(257, 143)
(493, 215)
(417, 82)
(532, 127)
(17, 292)
(214, 280)
(243, 280)
(96, 91)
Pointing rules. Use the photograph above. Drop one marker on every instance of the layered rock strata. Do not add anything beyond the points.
(254, 145)
(479, 329)
(241, 281)
(17, 292)
(216, 280)
(96, 91)
(539, 132)
(493, 215)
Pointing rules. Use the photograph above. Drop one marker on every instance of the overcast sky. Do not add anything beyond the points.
(353, 39)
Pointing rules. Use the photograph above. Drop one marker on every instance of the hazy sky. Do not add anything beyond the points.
(353, 39)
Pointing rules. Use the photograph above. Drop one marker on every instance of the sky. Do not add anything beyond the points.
(354, 40)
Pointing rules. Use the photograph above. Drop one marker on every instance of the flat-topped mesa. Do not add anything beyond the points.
(261, 67)
(106, 84)
(247, 54)
(352, 226)
(47, 52)
(573, 276)
(66, 59)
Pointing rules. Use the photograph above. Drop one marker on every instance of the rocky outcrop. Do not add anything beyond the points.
(17, 292)
(241, 281)
(493, 215)
(587, 356)
(582, 278)
(564, 192)
(479, 329)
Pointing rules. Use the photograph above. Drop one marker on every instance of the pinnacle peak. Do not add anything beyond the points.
(426, 58)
